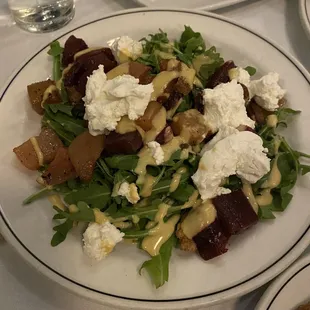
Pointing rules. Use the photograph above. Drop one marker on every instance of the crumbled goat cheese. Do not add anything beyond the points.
(241, 153)
(225, 105)
(100, 239)
(106, 101)
(240, 75)
(223, 132)
(125, 47)
(267, 92)
(157, 152)
(130, 191)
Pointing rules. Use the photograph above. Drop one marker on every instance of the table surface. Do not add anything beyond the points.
(22, 288)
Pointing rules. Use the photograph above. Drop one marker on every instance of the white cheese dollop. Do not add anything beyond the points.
(130, 191)
(125, 46)
(106, 101)
(240, 75)
(157, 152)
(241, 153)
(267, 92)
(225, 106)
(100, 239)
(223, 132)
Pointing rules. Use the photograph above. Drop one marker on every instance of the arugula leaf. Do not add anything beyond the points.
(66, 137)
(122, 162)
(56, 51)
(124, 176)
(183, 192)
(69, 124)
(84, 213)
(233, 183)
(251, 70)
(135, 234)
(284, 114)
(151, 44)
(42, 192)
(185, 105)
(191, 42)
(64, 108)
(154, 42)
(304, 169)
(60, 188)
(150, 60)
(176, 156)
(265, 213)
(97, 196)
(214, 62)
(61, 232)
(158, 266)
(105, 170)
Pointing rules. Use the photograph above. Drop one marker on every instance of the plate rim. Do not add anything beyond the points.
(209, 7)
(274, 290)
(193, 302)
(304, 18)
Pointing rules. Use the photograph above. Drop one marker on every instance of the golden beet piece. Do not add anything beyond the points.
(190, 125)
(84, 151)
(36, 94)
(145, 121)
(27, 155)
(186, 244)
(47, 144)
(60, 170)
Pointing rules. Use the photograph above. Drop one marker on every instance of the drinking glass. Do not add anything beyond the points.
(42, 15)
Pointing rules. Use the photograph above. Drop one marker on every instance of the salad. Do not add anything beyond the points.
(160, 142)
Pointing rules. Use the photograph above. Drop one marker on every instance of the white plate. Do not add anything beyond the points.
(290, 289)
(254, 258)
(304, 12)
(209, 5)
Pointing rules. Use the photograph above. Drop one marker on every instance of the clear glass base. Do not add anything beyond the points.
(44, 18)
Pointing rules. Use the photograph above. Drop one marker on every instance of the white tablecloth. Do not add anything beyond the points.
(22, 288)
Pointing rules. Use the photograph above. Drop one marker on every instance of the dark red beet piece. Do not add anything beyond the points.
(122, 144)
(212, 241)
(220, 75)
(234, 212)
(85, 65)
(172, 100)
(256, 112)
(198, 100)
(165, 135)
(72, 46)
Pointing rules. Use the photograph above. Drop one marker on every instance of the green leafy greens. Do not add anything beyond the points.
(288, 162)
(158, 266)
(56, 52)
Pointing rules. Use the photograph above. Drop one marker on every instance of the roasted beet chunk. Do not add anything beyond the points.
(84, 151)
(60, 169)
(165, 135)
(172, 101)
(36, 94)
(141, 72)
(257, 113)
(198, 100)
(211, 241)
(182, 86)
(75, 80)
(125, 144)
(235, 212)
(72, 46)
(220, 75)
